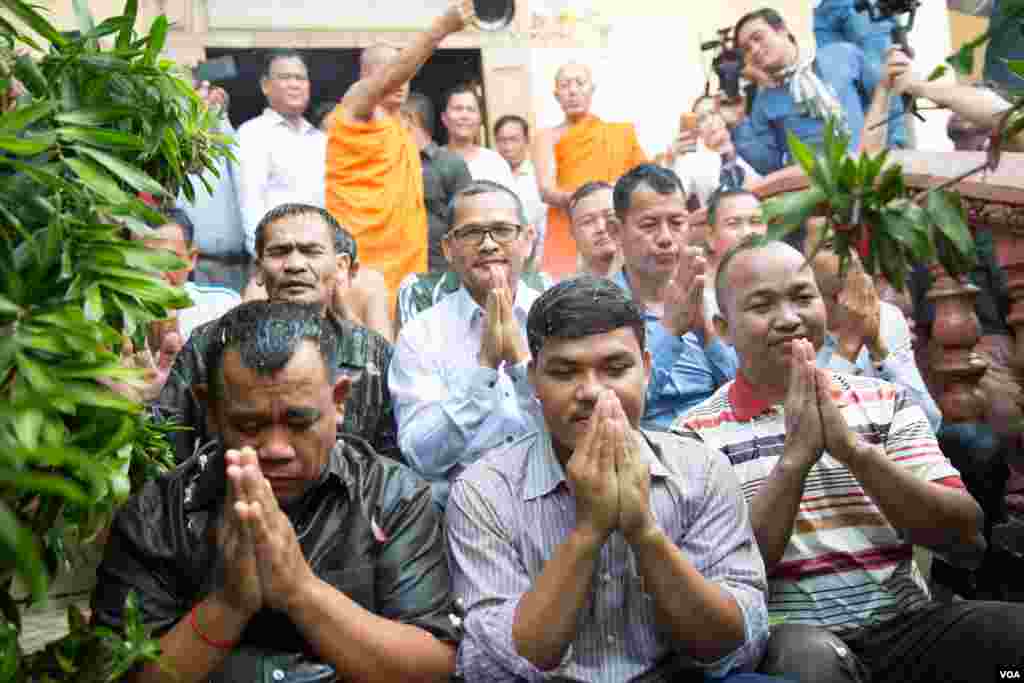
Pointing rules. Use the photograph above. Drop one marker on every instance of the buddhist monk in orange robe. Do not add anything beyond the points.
(580, 149)
(374, 184)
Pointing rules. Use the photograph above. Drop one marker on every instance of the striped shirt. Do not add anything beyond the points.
(510, 511)
(845, 566)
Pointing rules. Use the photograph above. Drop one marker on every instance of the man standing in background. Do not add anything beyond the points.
(512, 137)
(280, 153)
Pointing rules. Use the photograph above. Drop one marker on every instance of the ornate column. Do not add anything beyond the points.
(956, 331)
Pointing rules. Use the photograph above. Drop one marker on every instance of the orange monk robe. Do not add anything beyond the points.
(374, 188)
(590, 150)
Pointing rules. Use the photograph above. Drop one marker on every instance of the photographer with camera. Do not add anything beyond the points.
(851, 21)
(838, 83)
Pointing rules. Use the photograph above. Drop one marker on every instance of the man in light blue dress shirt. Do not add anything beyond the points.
(458, 376)
(664, 277)
(591, 550)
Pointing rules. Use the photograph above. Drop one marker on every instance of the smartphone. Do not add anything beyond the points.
(214, 70)
(688, 121)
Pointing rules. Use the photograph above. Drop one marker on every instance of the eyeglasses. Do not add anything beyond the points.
(474, 235)
(298, 78)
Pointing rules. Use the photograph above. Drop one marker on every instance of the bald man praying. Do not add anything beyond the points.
(374, 182)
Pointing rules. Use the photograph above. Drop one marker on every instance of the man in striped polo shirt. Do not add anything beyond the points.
(843, 476)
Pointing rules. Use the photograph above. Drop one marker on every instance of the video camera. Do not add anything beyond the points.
(727, 63)
(886, 9)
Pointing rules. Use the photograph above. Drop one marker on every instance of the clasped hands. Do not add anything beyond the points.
(502, 338)
(814, 422)
(684, 296)
(609, 479)
(263, 564)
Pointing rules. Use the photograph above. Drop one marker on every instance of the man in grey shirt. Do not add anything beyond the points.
(444, 174)
(591, 550)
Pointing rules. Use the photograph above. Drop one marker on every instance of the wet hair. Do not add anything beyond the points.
(580, 307)
(765, 14)
(662, 180)
(421, 109)
(584, 191)
(479, 187)
(720, 195)
(748, 243)
(267, 334)
(281, 53)
(460, 89)
(288, 211)
(177, 216)
(344, 243)
(512, 118)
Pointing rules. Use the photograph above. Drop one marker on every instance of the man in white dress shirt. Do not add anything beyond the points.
(458, 376)
(461, 117)
(512, 138)
(282, 155)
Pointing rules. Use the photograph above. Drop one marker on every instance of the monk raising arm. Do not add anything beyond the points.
(376, 84)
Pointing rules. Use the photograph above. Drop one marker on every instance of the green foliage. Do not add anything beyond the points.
(867, 199)
(104, 119)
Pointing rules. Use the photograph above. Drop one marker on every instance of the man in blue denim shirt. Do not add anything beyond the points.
(838, 21)
(665, 278)
(839, 81)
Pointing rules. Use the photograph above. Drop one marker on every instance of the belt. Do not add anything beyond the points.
(227, 259)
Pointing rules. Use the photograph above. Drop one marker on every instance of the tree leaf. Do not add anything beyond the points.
(131, 11)
(95, 395)
(28, 146)
(157, 37)
(97, 180)
(19, 545)
(101, 137)
(962, 60)
(27, 426)
(95, 117)
(126, 172)
(801, 152)
(37, 375)
(46, 484)
(8, 307)
(93, 302)
(35, 21)
(945, 211)
(1016, 66)
(937, 73)
(20, 118)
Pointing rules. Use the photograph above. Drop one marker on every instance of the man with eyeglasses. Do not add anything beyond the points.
(281, 154)
(458, 377)
(666, 278)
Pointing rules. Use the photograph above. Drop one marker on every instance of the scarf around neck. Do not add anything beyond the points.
(812, 96)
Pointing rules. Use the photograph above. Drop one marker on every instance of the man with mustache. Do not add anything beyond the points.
(296, 261)
(281, 552)
(843, 476)
(665, 278)
(592, 550)
(458, 377)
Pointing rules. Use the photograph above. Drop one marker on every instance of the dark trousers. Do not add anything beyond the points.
(963, 642)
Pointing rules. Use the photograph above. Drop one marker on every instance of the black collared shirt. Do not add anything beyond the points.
(363, 353)
(368, 528)
(444, 174)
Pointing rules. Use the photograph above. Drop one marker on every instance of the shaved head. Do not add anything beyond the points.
(574, 70)
(376, 56)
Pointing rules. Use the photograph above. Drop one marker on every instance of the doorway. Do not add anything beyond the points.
(332, 71)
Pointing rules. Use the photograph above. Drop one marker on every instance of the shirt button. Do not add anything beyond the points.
(510, 438)
(606, 577)
(611, 639)
(277, 675)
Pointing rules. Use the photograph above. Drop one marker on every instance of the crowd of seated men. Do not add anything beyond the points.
(668, 462)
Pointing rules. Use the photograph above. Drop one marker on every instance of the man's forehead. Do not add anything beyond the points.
(301, 377)
(591, 348)
(300, 228)
(646, 199)
(751, 27)
(462, 99)
(573, 70)
(595, 202)
(739, 203)
(377, 56)
(775, 266)
(486, 207)
(287, 65)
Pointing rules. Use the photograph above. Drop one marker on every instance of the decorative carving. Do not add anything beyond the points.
(956, 331)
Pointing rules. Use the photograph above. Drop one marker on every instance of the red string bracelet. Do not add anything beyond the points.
(219, 644)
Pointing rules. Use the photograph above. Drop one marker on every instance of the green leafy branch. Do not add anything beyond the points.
(866, 199)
